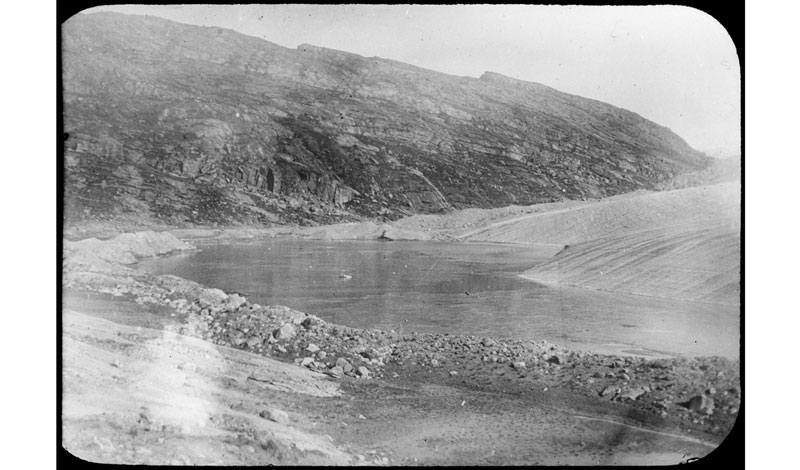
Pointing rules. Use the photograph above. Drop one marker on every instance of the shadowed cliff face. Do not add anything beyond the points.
(186, 124)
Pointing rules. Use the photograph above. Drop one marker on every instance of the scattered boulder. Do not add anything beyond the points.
(700, 403)
(556, 359)
(363, 372)
(369, 353)
(335, 372)
(310, 323)
(344, 364)
(307, 361)
(212, 296)
(276, 415)
(235, 301)
(518, 364)
(632, 393)
(177, 304)
(286, 331)
(658, 364)
(608, 391)
(312, 348)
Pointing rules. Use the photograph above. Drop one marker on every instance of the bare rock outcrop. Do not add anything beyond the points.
(195, 125)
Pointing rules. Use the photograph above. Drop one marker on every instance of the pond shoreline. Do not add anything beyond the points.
(650, 390)
(454, 287)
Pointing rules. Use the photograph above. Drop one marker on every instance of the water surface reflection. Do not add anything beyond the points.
(456, 288)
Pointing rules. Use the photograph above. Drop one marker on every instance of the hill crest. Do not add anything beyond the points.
(190, 125)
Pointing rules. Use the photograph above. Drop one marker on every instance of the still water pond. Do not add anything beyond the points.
(457, 288)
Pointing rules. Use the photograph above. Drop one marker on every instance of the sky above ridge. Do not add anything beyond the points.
(674, 65)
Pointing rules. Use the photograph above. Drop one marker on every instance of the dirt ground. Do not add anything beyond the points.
(137, 392)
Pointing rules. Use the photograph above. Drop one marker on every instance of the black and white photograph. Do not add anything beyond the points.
(399, 235)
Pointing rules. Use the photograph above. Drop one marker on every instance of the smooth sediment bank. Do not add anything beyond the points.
(698, 398)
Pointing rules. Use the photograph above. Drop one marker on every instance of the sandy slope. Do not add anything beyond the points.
(699, 207)
(149, 396)
(682, 244)
(690, 264)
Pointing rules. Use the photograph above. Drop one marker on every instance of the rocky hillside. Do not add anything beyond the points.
(179, 124)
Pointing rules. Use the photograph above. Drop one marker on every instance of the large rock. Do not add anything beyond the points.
(336, 372)
(701, 404)
(310, 322)
(344, 364)
(212, 296)
(608, 392)
(632, 393)
(235, 301)
(274, 414)
(556, 359)
(286, 331)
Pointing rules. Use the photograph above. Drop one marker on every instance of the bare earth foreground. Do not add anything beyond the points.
(161, 370)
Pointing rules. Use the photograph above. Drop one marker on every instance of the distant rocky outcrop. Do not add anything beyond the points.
(184, 124)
